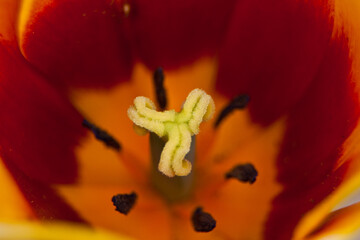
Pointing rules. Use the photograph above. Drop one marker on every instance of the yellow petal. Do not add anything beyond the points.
(53, 231)
(341, 224)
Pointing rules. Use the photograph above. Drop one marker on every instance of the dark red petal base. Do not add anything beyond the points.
(272, 52)
(170, 33)
(39, 129)
(318, 125)
(78, 43)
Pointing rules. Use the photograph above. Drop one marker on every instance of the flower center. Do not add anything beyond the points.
(175, 128)
(172, 144)
(172, 148)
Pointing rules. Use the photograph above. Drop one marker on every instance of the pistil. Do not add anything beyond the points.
(173, 189)
(172, 140)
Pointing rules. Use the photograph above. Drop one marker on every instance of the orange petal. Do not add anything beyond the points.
(235, 131)
(242, 209)
(108, 110)
(13, 205)
(8, 16)
(148, 215)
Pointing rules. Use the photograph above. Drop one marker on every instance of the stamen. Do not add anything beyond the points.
(124, 202)
(244, 173)
(202, 221)
(238, 102)
(177, 128)
(102, 135)
(159, 88)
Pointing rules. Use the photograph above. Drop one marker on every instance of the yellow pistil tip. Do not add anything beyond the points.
(177, 128)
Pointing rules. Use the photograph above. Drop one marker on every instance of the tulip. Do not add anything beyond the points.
(279, 159)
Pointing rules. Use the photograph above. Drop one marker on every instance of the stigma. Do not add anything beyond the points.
(176, 128)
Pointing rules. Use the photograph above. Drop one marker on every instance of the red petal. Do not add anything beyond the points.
(272, 52)
(168, 33)
(78, 42)
(39, 129)
(317, 127)
(45, 202)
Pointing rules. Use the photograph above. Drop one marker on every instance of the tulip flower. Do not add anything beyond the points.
(279, 159)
